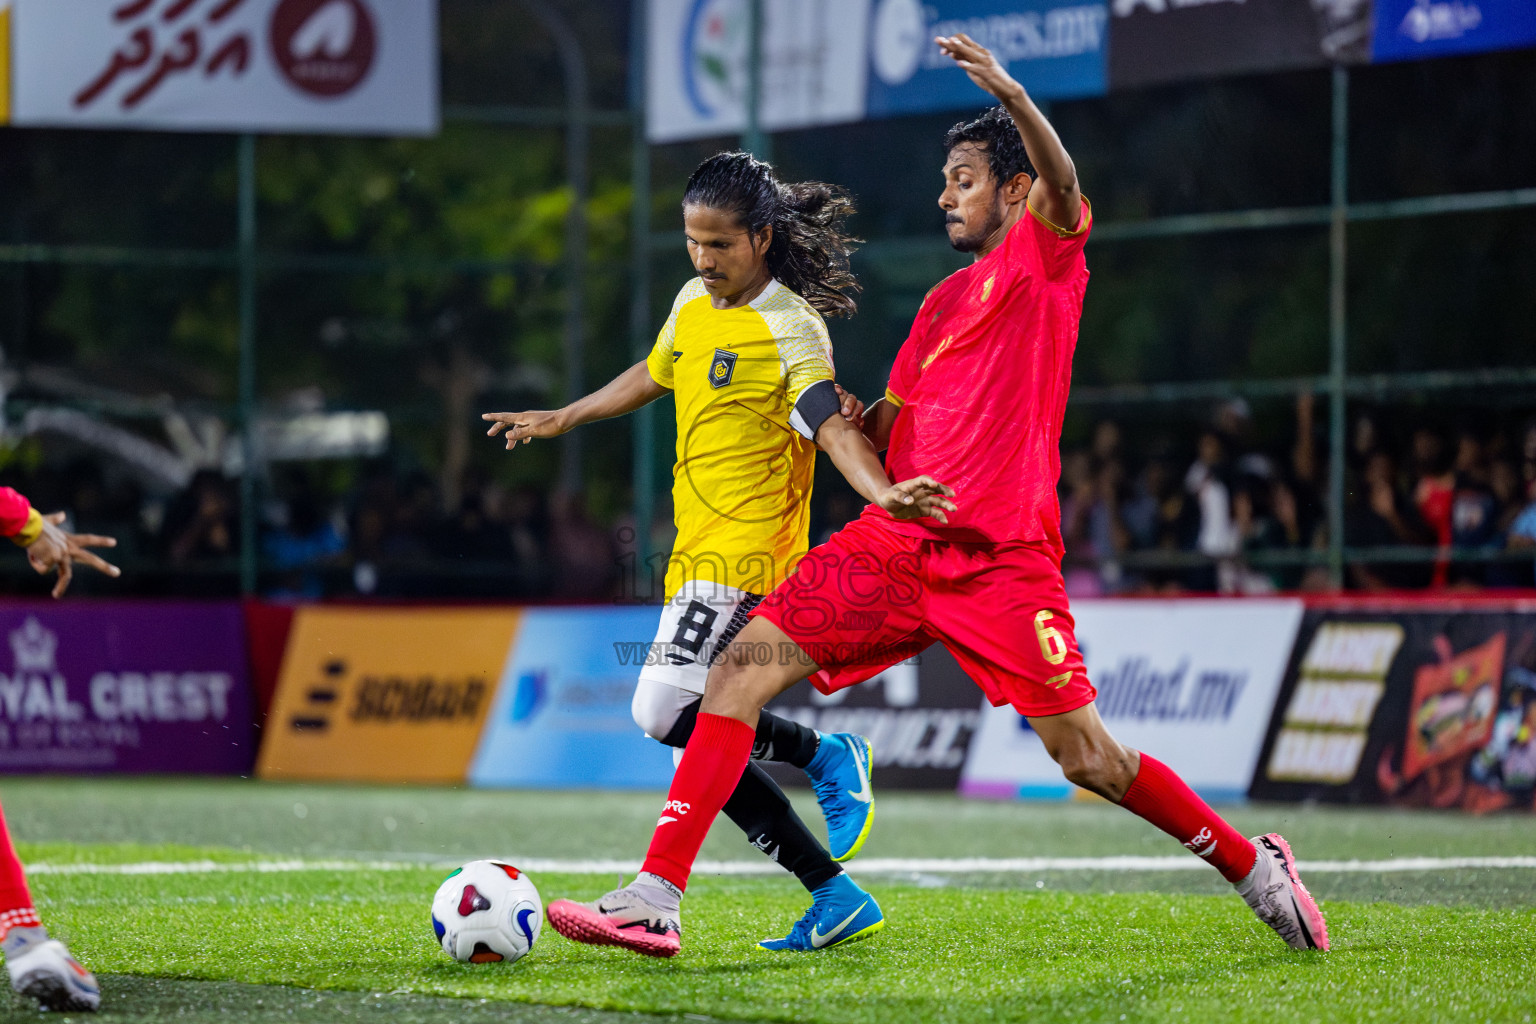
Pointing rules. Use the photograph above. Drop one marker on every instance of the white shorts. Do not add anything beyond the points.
(696, 624)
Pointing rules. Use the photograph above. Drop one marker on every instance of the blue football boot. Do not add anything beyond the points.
(840, 774)
(842, 912)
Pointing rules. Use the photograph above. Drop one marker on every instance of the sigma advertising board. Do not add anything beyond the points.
(919, 716)
(336, 66)
(561, 716)
(106, 687)
(384, 694)
(1414, 707)
(1191, 682)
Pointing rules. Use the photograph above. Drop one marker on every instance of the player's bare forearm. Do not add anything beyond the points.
(879, 419)
(1055, 192)
(854, 456)
(625, 393)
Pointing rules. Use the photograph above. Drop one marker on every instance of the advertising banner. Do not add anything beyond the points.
(5, 61)
(1192, 682)
(1156, 41)
(919, 717)
(335, 66)
(1055, 48)
(384, 694)
(105, 687)
(1410, 29)
(813, 65)
(1408, 706)
(561, 716)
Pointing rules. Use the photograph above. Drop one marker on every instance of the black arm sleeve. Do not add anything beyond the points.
(818, 403)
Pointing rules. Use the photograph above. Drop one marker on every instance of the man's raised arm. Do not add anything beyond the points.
(1055, 194)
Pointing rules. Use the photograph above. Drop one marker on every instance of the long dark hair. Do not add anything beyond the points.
(809, 252)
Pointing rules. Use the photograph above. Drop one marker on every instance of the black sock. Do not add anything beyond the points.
(778, 739)
(761, 810)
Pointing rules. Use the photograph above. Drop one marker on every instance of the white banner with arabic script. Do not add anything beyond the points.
(1191, 681)
(364, 67)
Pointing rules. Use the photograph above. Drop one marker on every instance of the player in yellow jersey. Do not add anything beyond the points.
(746, 354)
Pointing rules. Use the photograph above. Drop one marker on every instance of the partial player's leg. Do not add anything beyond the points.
(1007, 622)
(644, 916)
(699, 621)
(40, 968)
(1263, 869)
(758, 807)
(799, 625)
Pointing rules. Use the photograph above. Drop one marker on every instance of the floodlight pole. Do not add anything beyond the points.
(1338, 328)
(573, 63)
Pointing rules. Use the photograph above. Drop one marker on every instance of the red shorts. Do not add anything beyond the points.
(871, 597)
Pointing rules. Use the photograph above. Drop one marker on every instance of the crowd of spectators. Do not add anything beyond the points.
(391, 535)
(1426, 505)
(1218, 509)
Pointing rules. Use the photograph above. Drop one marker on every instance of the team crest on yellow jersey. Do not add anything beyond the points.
(722, 368)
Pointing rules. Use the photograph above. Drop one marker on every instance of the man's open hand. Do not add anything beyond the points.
(980, 65)
(918, 498)
(56, 550)
(524, 426)
(851, 408)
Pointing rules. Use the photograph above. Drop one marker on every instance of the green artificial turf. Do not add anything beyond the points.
(949, 954)
(1057, 946)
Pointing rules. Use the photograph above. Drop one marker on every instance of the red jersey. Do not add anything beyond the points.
(982, 381)
(18, 519)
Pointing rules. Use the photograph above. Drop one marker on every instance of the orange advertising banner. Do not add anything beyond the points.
(385, 695)
(5, 61)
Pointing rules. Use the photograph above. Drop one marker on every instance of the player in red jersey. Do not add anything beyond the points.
(41, 967)
(976, 399)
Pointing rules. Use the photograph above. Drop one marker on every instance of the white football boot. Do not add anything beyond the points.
(42, 969)
(1275, 893)
(624, 918)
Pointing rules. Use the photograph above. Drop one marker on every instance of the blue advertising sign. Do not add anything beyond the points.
(1411, 29)
(561, 715)
(1055, 48)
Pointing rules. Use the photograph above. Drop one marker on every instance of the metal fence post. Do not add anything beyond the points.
(246, 258)
(1337, 325)
(573, 62)
(643, 438)
(754, 140)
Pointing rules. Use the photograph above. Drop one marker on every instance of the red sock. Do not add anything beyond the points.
(716, 755)
(15, 900)
(1160, 796)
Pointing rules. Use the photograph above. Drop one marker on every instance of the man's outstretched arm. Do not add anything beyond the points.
(625, 393)
(855, 458)
(1055, 194)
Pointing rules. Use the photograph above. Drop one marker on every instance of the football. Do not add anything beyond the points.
(487, 912)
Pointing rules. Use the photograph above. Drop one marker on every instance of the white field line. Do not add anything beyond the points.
(876, 866)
